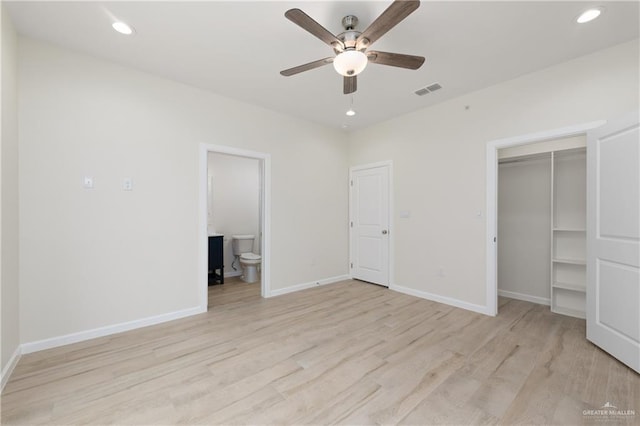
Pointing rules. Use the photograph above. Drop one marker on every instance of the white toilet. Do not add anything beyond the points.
(242, 248)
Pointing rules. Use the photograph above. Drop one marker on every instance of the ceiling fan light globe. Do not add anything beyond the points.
(350, 63)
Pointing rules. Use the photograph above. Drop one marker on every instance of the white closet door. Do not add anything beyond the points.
(613, 239)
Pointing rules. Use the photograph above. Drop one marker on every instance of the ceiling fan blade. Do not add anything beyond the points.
(306, 67)
(350, 84)
(396, 59)
(307, 23)
(395, 13)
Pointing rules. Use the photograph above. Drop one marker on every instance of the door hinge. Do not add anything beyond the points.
(352, 224)
(352, 182)
(351, 265)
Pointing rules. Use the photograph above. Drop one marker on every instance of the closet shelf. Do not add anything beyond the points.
(568, 233)
(570, 312)
(569, 286)
(570, 261)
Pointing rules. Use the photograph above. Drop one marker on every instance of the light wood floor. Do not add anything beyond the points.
(233, 291)
(346, 353)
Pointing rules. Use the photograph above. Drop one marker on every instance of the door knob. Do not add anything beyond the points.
(384, 232)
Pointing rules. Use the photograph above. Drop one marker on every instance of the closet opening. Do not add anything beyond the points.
(560, 240)
(542, 224)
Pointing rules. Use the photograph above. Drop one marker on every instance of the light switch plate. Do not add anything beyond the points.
(405, 214)
(127, 184)
(87, 182)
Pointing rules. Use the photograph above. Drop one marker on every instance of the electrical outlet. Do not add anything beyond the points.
(127, 184)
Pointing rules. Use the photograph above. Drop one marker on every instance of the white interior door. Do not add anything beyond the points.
(613, 239)
(370, 224)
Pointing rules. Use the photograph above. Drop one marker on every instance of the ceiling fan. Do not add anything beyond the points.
(351, 46)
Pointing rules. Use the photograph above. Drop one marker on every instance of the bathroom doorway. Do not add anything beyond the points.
(234, 200)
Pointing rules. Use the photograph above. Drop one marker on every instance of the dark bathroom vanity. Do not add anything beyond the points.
(216, 259)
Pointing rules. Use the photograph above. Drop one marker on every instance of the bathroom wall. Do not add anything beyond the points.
(234, 201)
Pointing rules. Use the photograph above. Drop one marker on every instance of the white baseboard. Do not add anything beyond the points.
(232, 274)
(8, 369)
(525, 297)
(442, 299)
(81, 336)
(304, 286)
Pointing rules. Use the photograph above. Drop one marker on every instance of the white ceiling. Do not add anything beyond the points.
(237, 48)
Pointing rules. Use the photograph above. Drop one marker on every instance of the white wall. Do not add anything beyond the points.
(235, 201)
(9, 289)
(524, 228)
(93, 258)
(439, 160)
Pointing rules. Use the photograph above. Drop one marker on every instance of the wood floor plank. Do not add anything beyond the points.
(402, 391)
(347, 353)
(344, 404)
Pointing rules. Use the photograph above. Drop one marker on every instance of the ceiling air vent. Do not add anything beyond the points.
(430, 88)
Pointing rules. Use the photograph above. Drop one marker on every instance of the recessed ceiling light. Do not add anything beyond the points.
(589, 15)
(122, 28)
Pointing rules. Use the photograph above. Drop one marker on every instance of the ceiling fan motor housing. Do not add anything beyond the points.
(349, 22)
(350, 36)
(348, 39)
